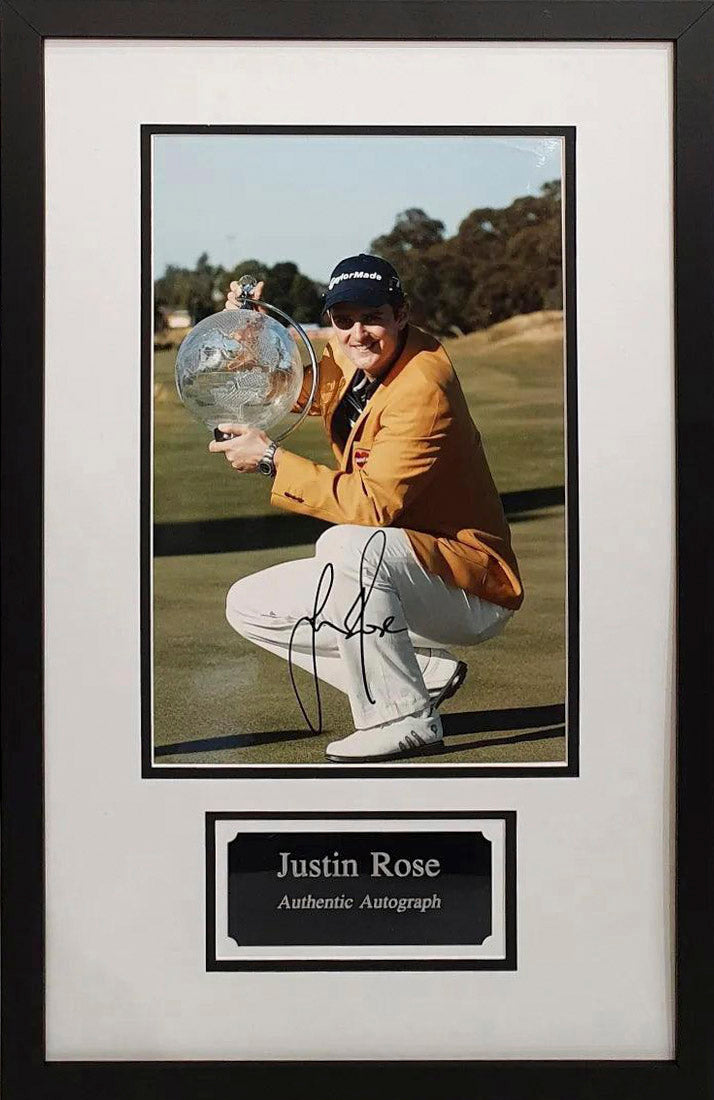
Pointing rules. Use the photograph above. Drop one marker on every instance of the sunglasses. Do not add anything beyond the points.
(347, 321)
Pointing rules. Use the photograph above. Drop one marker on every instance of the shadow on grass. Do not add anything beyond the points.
(220, 536)
(527, 517)
(455, 725)
(513, 739)
(508, 719)
(232, 741)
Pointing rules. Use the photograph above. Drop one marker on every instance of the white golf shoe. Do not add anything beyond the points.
(409, 736)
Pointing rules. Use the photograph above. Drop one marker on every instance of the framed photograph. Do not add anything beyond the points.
(357, 491)
(493, 291)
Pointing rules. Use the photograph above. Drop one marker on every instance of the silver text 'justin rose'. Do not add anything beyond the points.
(382, 864)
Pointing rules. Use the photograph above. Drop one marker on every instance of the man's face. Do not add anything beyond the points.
(370, 335)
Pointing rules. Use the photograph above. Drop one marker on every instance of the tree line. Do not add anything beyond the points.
(499, 263)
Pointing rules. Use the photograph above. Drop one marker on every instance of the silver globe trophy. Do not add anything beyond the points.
(243, 367)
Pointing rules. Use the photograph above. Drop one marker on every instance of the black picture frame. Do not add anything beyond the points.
(689, 26)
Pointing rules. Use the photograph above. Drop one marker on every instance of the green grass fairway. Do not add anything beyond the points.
(221, 700)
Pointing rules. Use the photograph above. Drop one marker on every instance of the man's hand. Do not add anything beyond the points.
(234, 296)
(245, 450)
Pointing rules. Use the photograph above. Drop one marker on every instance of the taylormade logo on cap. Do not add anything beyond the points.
(353, 275)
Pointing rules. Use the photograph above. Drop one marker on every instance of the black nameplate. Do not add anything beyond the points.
(348, 888)
(361, 890)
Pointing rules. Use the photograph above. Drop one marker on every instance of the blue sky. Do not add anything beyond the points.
(316, 198)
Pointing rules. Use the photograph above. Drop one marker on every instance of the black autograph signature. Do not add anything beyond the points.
(353, 624)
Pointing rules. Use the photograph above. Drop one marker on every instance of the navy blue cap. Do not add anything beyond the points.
(365, 279)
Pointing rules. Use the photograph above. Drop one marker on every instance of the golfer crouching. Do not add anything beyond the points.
(419, 558)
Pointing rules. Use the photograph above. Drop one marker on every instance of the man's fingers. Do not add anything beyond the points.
(234, 461)
(234, 430)
(235, 295)
(237, 291)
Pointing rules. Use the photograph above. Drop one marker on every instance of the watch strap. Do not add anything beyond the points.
(266, 464)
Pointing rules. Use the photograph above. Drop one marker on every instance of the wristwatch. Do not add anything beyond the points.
(266, 464)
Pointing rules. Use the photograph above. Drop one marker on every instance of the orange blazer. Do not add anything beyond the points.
(413, 459)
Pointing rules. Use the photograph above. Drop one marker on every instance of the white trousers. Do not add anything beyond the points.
(370, 619)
